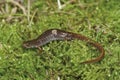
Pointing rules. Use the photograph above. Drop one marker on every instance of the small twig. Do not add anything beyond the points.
(32, 17)
(6, 8)
(15, 3)
(62, 6)
(12, 12)
(59, 4)
(19, 5)
(28, 16)
(89, 24)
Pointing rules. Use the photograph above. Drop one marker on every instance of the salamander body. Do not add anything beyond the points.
(57, 34)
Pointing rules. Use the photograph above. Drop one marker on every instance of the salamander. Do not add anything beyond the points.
(57, 34)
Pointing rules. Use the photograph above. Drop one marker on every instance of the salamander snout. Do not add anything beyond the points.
(27, 45)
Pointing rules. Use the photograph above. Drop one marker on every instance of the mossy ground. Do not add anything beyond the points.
(99, 20)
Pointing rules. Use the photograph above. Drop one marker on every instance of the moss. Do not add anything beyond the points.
(98, 20)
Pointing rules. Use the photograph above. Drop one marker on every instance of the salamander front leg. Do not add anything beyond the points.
(39, 50)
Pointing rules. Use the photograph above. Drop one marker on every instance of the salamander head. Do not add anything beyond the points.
(29, 44)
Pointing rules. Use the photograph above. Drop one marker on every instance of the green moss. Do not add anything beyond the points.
(98, 20)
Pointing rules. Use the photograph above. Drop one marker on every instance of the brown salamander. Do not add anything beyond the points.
(57, 34)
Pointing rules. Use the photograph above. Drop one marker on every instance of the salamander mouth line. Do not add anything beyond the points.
(57, 34)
